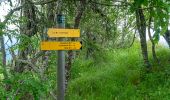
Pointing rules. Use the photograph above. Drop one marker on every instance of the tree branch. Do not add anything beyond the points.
(44, 2)
(104, 4)
(8, 16)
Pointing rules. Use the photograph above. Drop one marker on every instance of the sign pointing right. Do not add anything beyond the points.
(50, 45)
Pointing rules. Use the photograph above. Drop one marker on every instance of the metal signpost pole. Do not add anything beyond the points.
(61, 63)
(61, 45)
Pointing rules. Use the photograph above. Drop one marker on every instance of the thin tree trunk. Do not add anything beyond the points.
(152, 41)
(167, 37)
(69, 59)
(5, 73)
(141, 25)
(3, 57)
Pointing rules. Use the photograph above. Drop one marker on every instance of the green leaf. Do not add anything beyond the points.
(2, 25)
(145, 2)
(156, 36)
(163, 30)
(169, 9)
(132, 8)
(139, 2)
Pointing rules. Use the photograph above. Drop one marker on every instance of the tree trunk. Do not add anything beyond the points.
(152, 41)
(69, 59)
(141, 26)
(29, 29)
(3, 57)
(167, 37)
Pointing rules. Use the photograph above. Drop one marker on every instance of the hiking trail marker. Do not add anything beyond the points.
(61, 45)
(51, 45)
(53, 32)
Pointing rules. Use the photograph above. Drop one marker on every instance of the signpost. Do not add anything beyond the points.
(61, 45)
(61, 63)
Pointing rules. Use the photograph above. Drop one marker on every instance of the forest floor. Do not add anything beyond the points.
(118, 74)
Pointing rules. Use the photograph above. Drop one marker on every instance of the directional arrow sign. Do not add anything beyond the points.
(60, 45)
(53, 32)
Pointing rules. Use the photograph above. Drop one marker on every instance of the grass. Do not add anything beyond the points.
(120, 76)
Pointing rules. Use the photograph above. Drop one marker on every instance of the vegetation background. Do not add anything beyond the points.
(116, 62)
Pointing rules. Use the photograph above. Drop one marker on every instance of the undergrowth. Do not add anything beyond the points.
(121, 76)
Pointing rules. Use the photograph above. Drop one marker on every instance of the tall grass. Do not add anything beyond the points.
(120, 77)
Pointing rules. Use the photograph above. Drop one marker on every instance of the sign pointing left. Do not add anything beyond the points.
(53, 32)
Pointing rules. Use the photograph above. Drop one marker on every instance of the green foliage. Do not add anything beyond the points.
(159, 10)
(121, 78)
(156, 36)
(2, 26)
(107, 73)
(23, 85)
(79, 67)
(161, 18)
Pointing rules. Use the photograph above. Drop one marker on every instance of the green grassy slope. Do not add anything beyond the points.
(121, 76)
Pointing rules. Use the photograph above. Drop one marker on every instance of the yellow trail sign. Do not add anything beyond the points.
(53, 32)
(60, 45)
